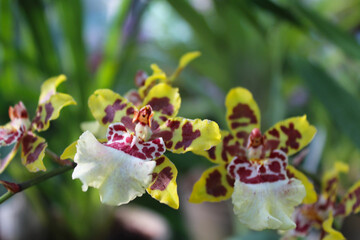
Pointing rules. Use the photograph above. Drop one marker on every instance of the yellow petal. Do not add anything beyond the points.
(181, 135)
(215, 185)
(69, 152)
(50, 103)
(33, 152)
(311, 196)
(330, 180)
(332, 234)
(184, 61)
(351, 202)
(223, 152)
(158, 76)
(243, 114)
(107, 107)
(267, 205)
(290, 135)
(48, 88)
(164, 100)
(163, 186)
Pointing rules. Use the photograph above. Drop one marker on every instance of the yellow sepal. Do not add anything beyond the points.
(164, 187)
(215, 185)
(311, 196)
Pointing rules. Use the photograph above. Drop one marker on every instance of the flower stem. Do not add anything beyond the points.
(67, 165)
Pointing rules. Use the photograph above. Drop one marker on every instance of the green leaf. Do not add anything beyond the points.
(330, 31)
(343, 107)
(277, 10)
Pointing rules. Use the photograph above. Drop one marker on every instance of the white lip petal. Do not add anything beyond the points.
(119, 177)
(267, 205)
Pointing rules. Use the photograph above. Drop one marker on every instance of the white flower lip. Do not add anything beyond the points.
(119, 177)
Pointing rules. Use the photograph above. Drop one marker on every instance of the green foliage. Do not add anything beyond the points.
(273, 48)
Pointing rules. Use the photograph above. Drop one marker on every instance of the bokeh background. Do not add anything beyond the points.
(296, 57)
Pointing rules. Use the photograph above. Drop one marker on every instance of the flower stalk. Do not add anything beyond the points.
(67, 165)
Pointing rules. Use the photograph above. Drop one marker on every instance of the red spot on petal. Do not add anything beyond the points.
(211, 152)
(173, 125)
(159, 161)
(243, 111)
(188, 136)
(275, 167)
(162, 105)
(49, 111)
(214, 186)
(243, 135)
(274, 132)
(163, 179)
(111, 111)
(292, 135)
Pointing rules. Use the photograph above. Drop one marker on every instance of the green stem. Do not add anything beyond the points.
(37, 180)
(66, 166)
(6, 196)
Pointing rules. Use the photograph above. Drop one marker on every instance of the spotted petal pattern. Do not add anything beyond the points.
(163, 186)
(107, 107)
(181, 135)
(290, 135)
(243, 114)
(120, 177)
(33, 152)
(120, 139)
(214, 185)
(158, 76)
(351, 202)
(50, 103)
(225, 151)
(253, 172)
(165, 102)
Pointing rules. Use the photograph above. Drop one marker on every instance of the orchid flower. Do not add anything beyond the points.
(20, 131)
(320, 214)
(144, 84)
(253, 168)
(155, 121)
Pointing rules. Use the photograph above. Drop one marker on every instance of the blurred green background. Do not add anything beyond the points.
(296, 57)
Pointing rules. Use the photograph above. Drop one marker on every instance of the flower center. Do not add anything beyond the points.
(143, 118)
(255, 147)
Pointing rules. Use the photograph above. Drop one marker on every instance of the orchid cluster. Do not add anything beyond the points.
(123, 154)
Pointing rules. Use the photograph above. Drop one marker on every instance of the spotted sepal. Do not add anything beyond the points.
(107, 107)
(120, 139)
(165, 102)
(158, 76)
(243, 114)
(50, 103)
(290, 135)
(350, 204)
(225, 151)
(33, 152)
(163, 186)
(330, 181)
(215, 185)
(181, 135)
